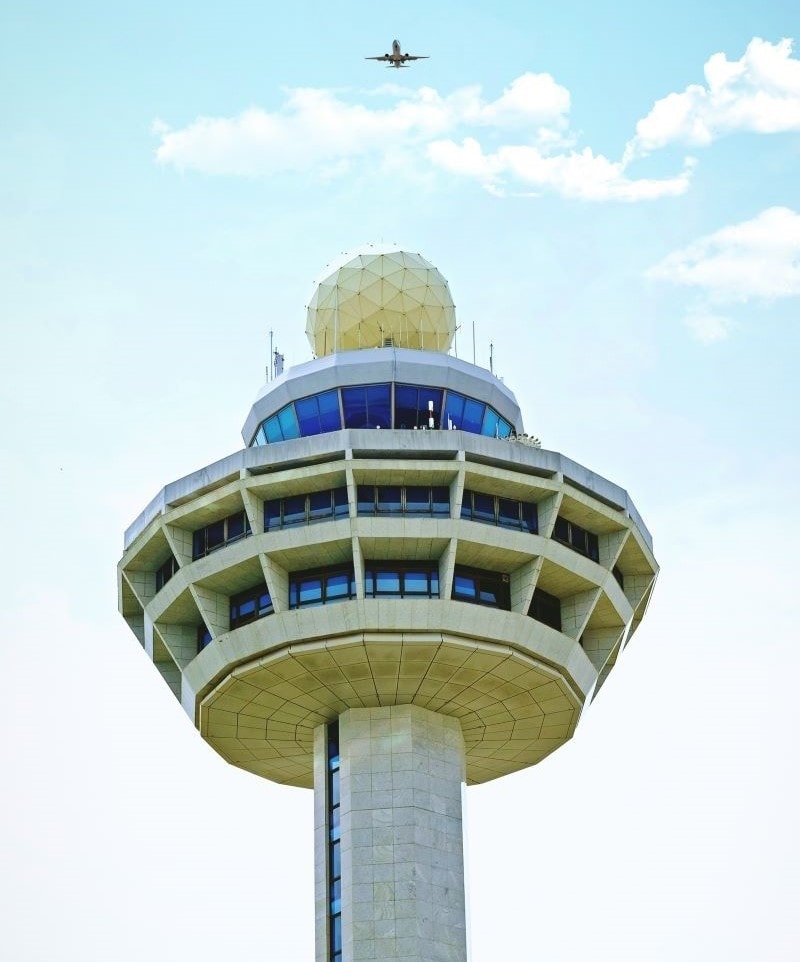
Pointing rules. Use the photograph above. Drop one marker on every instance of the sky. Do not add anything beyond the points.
(612, 192)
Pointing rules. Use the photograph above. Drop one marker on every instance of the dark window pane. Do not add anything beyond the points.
(489, 594)
(378, 406)
(272, 514)
(440, 497)
(369, 583)
(319, 505)
(245, 608)
(236, 526)
(578, 538)
(336, 861)
(418, 500)
(329, 417)
(561, 529)
(340, 506)
(294, 509)
(389, 500)
(483, 507)
(336, 896)
(503, 428)
(203, 637)
(592, 546)
(336, 933)
(466, 505)
(198, 544)
(264, 604)
(405, 406)
(354, 402)
(366, 499)
(530, 520)
(546, 608)
(508, 512)
(335, 823)
(215, 535)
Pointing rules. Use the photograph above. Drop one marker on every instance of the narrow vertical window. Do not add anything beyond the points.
(334, 845)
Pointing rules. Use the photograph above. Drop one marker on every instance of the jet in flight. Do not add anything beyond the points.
(396, 58)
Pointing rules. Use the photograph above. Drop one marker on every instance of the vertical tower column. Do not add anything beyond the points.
(388, 830)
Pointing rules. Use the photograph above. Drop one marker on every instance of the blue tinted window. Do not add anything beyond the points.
(411, 406)
(503, 428)
(387, 583)
(418, 500)
(389, 500)
(319, 505)
(440, 497)
(366, 499)
(337, 586)
(530, 518)
(453, 410)
(288, 422)
(508, 513)
(215, 535)
(272, 514)
(307, 411)
(483, 507)
(367, 407)
(491, 423)
(341, 507)
(329, 417)
(473, 416)
(272, 429)
(464, 587)
(294, 509)
(481, 587)
(250, 605)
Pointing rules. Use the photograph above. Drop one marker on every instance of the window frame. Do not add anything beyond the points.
(483, 579)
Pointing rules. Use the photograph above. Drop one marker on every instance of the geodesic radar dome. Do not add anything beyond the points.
(378, 299)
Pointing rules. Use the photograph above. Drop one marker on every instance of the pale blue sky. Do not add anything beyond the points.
(621, 225)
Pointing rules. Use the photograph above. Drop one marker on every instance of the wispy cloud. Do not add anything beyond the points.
(577, 174)
(759, 93)
(757, 259)
(315, 128)
(520, 142)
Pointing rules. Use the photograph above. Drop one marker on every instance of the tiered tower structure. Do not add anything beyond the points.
(389, 592)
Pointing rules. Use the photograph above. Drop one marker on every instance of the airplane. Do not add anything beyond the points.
(396, 58)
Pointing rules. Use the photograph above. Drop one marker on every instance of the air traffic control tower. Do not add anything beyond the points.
(389, 592)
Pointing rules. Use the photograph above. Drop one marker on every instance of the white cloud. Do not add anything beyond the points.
(576, 174)
(758, 258)
(419, 131)
(316, 127)
(320, 131)
(758, 93)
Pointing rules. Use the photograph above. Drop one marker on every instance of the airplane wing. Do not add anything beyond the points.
(382, 57)
(408, 56)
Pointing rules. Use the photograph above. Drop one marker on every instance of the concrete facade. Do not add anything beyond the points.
(402, 841)
(258, 587)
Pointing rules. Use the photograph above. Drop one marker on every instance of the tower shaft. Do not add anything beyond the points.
(388, 836)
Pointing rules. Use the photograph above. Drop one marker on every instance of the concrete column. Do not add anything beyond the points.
(401, 775)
